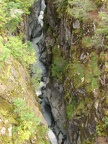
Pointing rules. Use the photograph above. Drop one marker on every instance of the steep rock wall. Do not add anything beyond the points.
(77, 56)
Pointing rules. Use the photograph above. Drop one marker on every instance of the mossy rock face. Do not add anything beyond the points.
(15, 80)
(15, 83)
(75, 73)
(7, 120)
(86, 73)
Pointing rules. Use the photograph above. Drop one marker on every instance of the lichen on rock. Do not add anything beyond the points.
(80, 35)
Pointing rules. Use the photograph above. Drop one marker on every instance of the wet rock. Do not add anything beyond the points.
(36, 30)
(59, 87)
(60, 137)
(41, 46)
(33, 17)
(51, 15)
(52, 137)
(46, 110)
(40, 97)
(43, 55)
(58, 109)
(44, 79)
(76, 24)
(73, 133)
(43, 6)
(43, 58)
(85, 74)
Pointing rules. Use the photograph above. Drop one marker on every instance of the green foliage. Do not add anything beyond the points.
(70, 106)
(76, 8)
(103, 27)
(28, 125)
(92, 73)
(2, 13)
(36, 74)
(94, 84)
(101, 33)
(61, 6)
(84, 75)
(11, 12)
(98, 3)
(10, 15)
(102, 127)
(88, 73)
(61, 3)
(58, 64)
(87, 42)
(41, 131)
(58, 68)
(80, 8)
(4, 52)
(25, 124)
(106, 121)
(94, 63)
(23, 52)
(76, 74)
(24, 5)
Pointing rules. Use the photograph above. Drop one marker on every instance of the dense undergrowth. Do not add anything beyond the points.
(11, 13)
(10, 17)
(28, 125)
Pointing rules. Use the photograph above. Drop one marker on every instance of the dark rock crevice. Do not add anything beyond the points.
(49, 93)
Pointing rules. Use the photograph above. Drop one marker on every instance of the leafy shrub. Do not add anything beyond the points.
(28, 124)
(24, 5)
(23, 52)
(2, 13)
(4, 52)
(10, 15)
(11, 12)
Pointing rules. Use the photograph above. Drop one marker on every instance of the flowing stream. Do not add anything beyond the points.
(39, 70)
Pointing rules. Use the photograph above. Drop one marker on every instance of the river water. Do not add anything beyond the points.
(39, 68)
